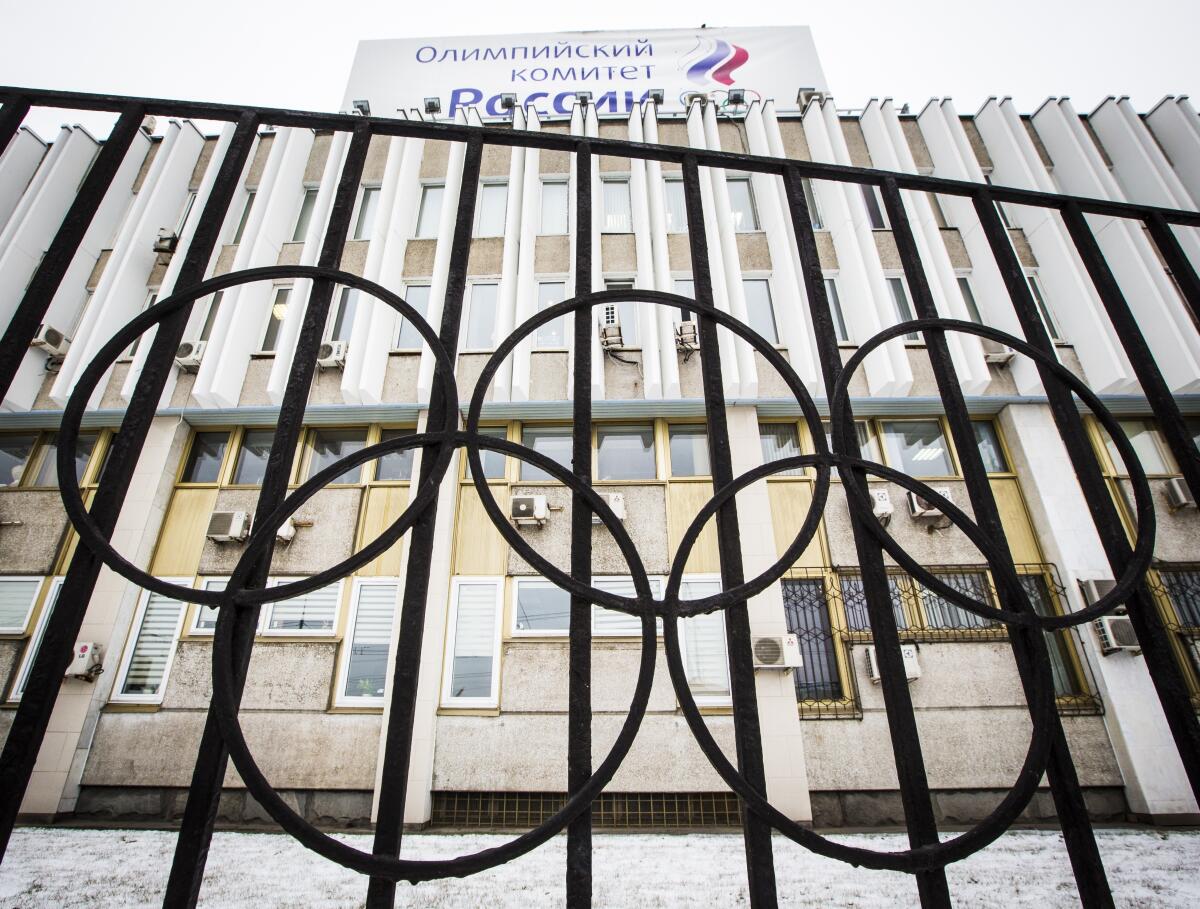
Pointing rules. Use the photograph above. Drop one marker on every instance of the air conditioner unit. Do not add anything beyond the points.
(687, 337)
(694, 98)
(616, 501)
(228, 526)
(912, 667)
(331, 355)
(882, 507)
(1093, 590)
(776, 651)
(85, 661)
(529, 510)
(610, 328)
(51, 340)
(1178, 494)
(1116, 633)
(806, 96)
(166, 241)
(189, 354)
(922, 510)
(996, 353)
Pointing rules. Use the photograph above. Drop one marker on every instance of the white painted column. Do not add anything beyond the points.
(661, 259)
(18, 164)
(510, 282)
(591, 128)
(1176, 126)
(648, 332)
(513, 374)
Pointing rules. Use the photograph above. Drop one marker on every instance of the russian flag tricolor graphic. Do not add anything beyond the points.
(714, 60)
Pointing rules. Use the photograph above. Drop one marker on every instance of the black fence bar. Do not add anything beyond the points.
(579, 693)
(1143, 610)
(1064, 781)
(12, 114)
(402, 711)
(760, 864)
(902, 723)
(46, 280)
(33, 715)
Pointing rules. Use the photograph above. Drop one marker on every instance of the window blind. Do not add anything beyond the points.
(370, 638)
(309, 612)
(704, 654)
(152, 649)
(16, 601)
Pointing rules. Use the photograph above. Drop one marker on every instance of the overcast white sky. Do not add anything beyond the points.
(297, 53)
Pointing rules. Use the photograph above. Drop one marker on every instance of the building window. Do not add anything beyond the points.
(275, 317)
(472, 675)
(206, 616)
(867, 443)
(904, 313)
(552, 335)
(556, 208)
(328, 446)
(1182, 586)
(999, 206)
(676, 204)
(251, 465)
(540, 607)
(854, 600)
(431, 211)
(1148, 444)
(964, 288)
(341, 319)
(835, 310)
(35, 640)
(917, 447)
(47, 475)
(625, 452)
(810, 199)
(806, 609)
(188, 204)
(689, 450)
(942, 614)
(151, 299)
(876, 213)
(685, 287)
(618, 218)
(494, 462)
(17, 597)
(210, 317)
(1043, 308)
(395, 465)
(241, 228)
(481, 317)
(305, 216)
(368, 205)
(1063, 667)
(626, 311)
(143, 674)
(780, 441)
(614, 623)
(988, 442)
(416, 296)
(741, 204)
(552, 441)
(760, 313)
(368, 639)
(14, 455)
(203, 464)
(489, 213)
(705, 658)
(308, 613)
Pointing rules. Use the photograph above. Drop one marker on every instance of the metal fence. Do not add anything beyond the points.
(1009, 599)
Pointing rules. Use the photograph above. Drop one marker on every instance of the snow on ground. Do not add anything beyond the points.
(120, 868)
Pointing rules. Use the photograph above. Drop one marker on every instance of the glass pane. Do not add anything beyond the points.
(15, 451)
(206, 616)
(871, 199)
(306, 613)
(1035, 288)
(493, 200)
(493, 461)
(431, 211)
(689, 451)
(1183, 590)
(397, 465)
(16, 601)
(741, 201)
(241, 228)
(676, 207)
(275, 318)
(903, 308)
(153, 646)
(989, 446)
(810, 199)
(685, 287)
(204, 460)
(807, 614)
(555, 208)
(370, 638)
(612, 622)
(366, 213)
(625, 453)
(553, 334)
(343, 320)
(474, 641)
(866, 441)
(1147, 443)
(759, 312)
(552, 441)
(940, 613)
(835, 308)
(416, 296)
(779, 441)
(331, 445)
(617, 219)
(481, 317)
(252, 457)
(964, 287)
(48, 473)
(210, 318)
(543, 607)
(35, 642)
(918, 448)
(704, 654)
(1058, 643)
(305, 218)
(854, 601)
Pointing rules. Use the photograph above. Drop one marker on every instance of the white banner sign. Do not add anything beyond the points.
(618, 68)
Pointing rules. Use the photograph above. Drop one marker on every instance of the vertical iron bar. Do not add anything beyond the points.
(393, 785)
(1064, 781)
(33, 714)
(44, 285)
(204, 793)
(1172, 253)
(902, 725)
(11, 116)
(579, 722)
(760, 863)
(1143, 610)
